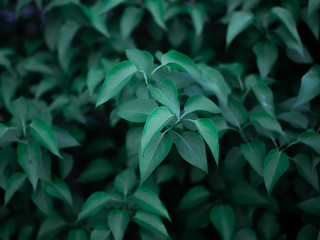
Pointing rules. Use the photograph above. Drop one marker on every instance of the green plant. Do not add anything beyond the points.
(231, 87)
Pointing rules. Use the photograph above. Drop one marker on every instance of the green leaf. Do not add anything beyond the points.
(284, 16)
(254, 153)
(136, 110)
(97, 170)
(44, 86)
(21, 4)
(267, 121)
(77, 234)
(195, 196)
(29, 156)
(3, 130)
(306, 169)
(213, 80)
(239, 22)
(245, 234)
(43, 132)
(312, 21)
(267, 54)
(313, 6)
(199, 102)
(154, 154)
(295, 119)
(156, 9)
(19, 108)
(117, 77)
(310, 86)
(157, 119)
(268, 225)
(149, 201)
(50, 227)
(118, 221)
(308, 232)
(42, 200)
(100, 233)
(182, 62)
(223, 219)
(235, 113)
(93, 205)
(14, 183)
(192, 149)
(64, 139)
(58, 189)
(130, 19)
(151, 222)
(197, 14)
(209, 133)
(275, 165)
(311, 139)
(142, 59)
(65, 165)
(166, 93)
(94, 77)
(311, 206)
(125, 181)
(244, 193)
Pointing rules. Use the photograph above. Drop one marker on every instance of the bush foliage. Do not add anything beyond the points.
(159, 119)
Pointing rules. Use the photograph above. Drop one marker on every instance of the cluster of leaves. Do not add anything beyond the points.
(216, 138)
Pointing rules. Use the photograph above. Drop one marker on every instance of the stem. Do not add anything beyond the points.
(240, 83)
(160, 66)
(291, 144)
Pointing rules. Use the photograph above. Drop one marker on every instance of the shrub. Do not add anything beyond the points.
(159, 119)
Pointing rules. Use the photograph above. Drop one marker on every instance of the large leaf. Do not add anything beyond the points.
(192, 149)
(93, 204)
(311, 139)
(43, 132)
(151, 222)
(311, 206)
(118, 221)
(156, 9)
(155, 153)
(29, 156)
(157, 119)
(235, 113)
(125, 181)
(166, 93)
(58, 189)
(199, 102)
(209, 133)
(193, 197)
(142, 59)
(239, 22)
(254, 153)
(267, 121)
(275, 165)
(306, 169)
(182, 62)
(313, 6)
(223, 219)
(136, 110)
(117, 77)
(149, 201)
(14, 183)
(310, 86)
(130, 20)
(295, 119)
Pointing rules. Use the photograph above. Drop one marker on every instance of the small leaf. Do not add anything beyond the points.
(223, 219)
(305, 168)
(267, 55)
(155, 153)
(130, 20)
(275, 165)
(267, 121)
(93, 205)
(268, 225)
(117, 77)
(295, 119)
(100, 233)
(118, 221)
(77, 234)
(149, 201)
(244, 193)
(199, 102)
(142, 59)
(182, 62)
(239, 22)
(58, 189)
(157, 119)
(245, 234)
(151, 222)
(29, 156)
(311, 206)
(50, 227)
(254, 153)
(43, 132)
(195, 196)
(44, 86)
(65, 165)
(94, 77)
(136, 110)
(156, 9)
(192, 149)
(197, 14)
(235, 113)
(311, 139)
(14, 183)
(209, 133)
(97, 169)
(64, 139)
(125, 181)
(166, 93)
(19, 108)
(42, 200)
(310, 86)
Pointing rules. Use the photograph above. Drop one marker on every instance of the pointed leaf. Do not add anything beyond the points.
(275, 165)
(43, 132)
(313, 6)
(155, 153)
(244, 193)
(100, 233)
(94, 77)
(125, 181)
(130, 20)
(268, 225)
(19, 108)
(239, 22)
(267, 121)
(193, 197)
(77, 234)
(96, 170)
(58, 189)
(267, 54)
(50, 227)
(156, 121)
(64, 139)
(166, 93)
(142, 59)
(29, 156)
(311, 139)
(156, 9)
(14, 183)
(295, 119)
(197, 14)
(117, 77)
(199, 102)
(192, 149)
(118, 221)
(254, 153)
(3, 130)
(223, 219)
(93, 205)
(235, 113)
(305, 168)
(311, 206)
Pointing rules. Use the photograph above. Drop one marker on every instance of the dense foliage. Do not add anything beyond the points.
(151, 119)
